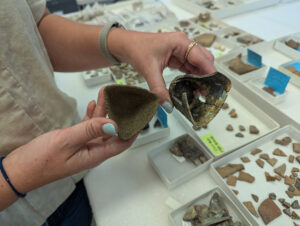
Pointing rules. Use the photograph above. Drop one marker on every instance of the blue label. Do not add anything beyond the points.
(254, 58)
(162, 117)
(277, 80)
(299, 48)
(296, 66)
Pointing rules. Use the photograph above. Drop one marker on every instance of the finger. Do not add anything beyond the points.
(86, 131)
(197, 58)
(208, 54)
(157, 85)
(100, 110)
(90, 110)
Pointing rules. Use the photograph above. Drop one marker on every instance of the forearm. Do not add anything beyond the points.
(73, 46)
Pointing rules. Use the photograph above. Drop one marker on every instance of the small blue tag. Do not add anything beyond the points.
(162, 117)
(277, 80)
(254, 58)
(296, 66)
(299, 48)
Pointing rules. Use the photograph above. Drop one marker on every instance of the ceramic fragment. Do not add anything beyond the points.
(251, 208)
(264, 156)
(243, 176)
(245, 159)
(235, 192)
(288, 212)
(288, 180)
(191, 214)
(260, 163)
(280, 170)
(291, 158)
(296, 147)
(242, 128)
(239, 135)
(269, 211)
(239, 67)
(256, 151)
(279, 152)
(229, 128)
(272, 196)
(229, 169)
(253, 130)
(231, 180)
(295, 205)
(272, 161)
(225, 106)
(206, 39)
(255, 197)
(233, 114)
(284, 141)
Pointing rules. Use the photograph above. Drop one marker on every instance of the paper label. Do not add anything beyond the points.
(254, 58)
(213, 144)
(162, 117)
(120, 82)
(277, 80)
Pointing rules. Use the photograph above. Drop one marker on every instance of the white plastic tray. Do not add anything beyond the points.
(177, 215)
(224, 61)
(258, 83)
(248, 114)
(280, 46)
(151, 134)
(96, 77)
(295, 79)
(241, 6)
(171, 171)
(260, 187)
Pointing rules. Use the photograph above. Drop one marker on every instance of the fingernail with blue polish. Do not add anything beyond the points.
(167, 106)
(109, 129)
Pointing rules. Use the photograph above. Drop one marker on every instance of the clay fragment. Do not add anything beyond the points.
(295, 169)
(294, 174)
(296, 192)
(295, 205)
(279, 152)
(255, 197)
(295, 216)
(247, 39)
(272, 196)
(288, 180)
(272, 161)
(239, 135)
(242, 128)
(286, 204)
(246, 177)
(229, 169)
(256, 151)
(269, 177)
(239, 67)
(298, 159)
(245, 159)
(269, 90)
(296, 147)
(293, 44)
(233, 114)
(264, 156)
(291, 188)
(291, 158)
(297, 184)
(287, 211)
(204, 17)
(278, 177)
(284, 141)
(260, 163)
(269, 211)
(206, 39)
(184, 23)
(225, 106)
(281, 200)
(280, 170)
(251, 208)
(229, 128)
(231, 180)
(289, 194)
(235, 192)
(191, 214)
(253, 130)
(157, 124)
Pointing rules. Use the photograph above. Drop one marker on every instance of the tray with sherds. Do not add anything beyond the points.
(262, 178)
(211, 208)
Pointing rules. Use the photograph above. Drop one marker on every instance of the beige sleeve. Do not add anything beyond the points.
(37, 8)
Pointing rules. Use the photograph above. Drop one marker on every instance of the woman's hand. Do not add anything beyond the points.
(61, 153)
(151, 53)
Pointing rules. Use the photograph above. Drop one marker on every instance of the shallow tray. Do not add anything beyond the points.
(172, 171)
(280, 46)
(295, 79)
(248, 114)
(241, 6)
(258, 84)
(177, 215)
(96, 77)
(224, 61)
(151, 134)
(260, 187)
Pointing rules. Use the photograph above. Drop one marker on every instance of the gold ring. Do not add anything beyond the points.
(191, 45)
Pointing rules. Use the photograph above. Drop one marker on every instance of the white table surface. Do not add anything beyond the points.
(126, 190)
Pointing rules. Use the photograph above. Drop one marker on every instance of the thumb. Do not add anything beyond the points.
(86, 131)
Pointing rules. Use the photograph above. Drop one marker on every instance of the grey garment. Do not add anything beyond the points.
(30, 104)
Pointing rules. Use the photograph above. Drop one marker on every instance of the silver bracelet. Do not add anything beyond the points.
(103, 41)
